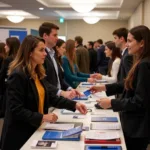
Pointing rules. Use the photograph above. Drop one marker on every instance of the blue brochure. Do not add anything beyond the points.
(68, 135)
(81, 98)
(96, 147)
(87, 83)
(87, 93)
(104, 119)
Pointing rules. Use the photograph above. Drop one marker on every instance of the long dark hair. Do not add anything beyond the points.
(13, 43)
(2, 50)
(115, 53)
(139, 33)
(59, 43)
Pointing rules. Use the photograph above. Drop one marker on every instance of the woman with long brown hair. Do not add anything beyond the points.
(114, 54)
(135, 102)
(11, 49)
(71, 72)
(28, 95)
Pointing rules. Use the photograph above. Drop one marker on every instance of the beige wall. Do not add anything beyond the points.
(71, 28)
(141, 15)
(103, 29)
(137, 17)
(146, 13)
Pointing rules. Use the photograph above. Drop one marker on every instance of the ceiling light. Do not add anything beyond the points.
(41, 8)
(15, 19)
(91, 20)
(83, 7)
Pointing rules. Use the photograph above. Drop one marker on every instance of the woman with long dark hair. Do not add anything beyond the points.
(2, 53)
(11, 48)
(135, 102)
(113, 53)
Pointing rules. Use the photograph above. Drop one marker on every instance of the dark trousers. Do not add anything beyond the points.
(136, 143)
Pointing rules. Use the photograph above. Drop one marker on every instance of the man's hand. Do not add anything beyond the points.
(76, 92)
(68, 94)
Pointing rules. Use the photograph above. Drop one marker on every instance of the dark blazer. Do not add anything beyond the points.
(135, 103)
(51, 73)
(3, 73)
(125, 66)
(3, 79)
(1, 61)
(93, 60)
(102, 60)
(22, 117)
(82, 56)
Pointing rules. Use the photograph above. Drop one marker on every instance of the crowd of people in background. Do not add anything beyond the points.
(44, 71)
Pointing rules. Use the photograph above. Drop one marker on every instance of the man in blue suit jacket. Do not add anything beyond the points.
(120, 39)
(102, 61)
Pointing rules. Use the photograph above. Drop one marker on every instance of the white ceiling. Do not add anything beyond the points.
(54, 9)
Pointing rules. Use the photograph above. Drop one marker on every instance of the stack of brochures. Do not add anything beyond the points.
(68, 135)
(105, 126)
(102, 137)
(68, 112)
(81, 98)
(97, 147)
(86, 84)
(104, 119)
(56, 126)
(101, 81)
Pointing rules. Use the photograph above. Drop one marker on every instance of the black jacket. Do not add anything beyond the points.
(51, 73)
(22, 117)
(135, 103)
(102, 60)
(1, 62)
(93, 60)
(3, 81)
(125, 66)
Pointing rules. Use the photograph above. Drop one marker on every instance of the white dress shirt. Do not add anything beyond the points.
(114, 72)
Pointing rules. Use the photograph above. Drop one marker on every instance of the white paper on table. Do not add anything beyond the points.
(105, 126)
(99, 95)
(102, 135)
(89, 105)
(101, 81)
(86, 84)
(64, 111)
(54, 126)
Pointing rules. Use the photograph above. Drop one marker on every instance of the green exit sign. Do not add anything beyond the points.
(61, 20)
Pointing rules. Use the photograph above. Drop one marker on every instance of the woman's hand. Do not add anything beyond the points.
(104, 103)
(50, 117)
(99, 88)
(99, 76)
(96, 76)
(81, 108)
(91, 80)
